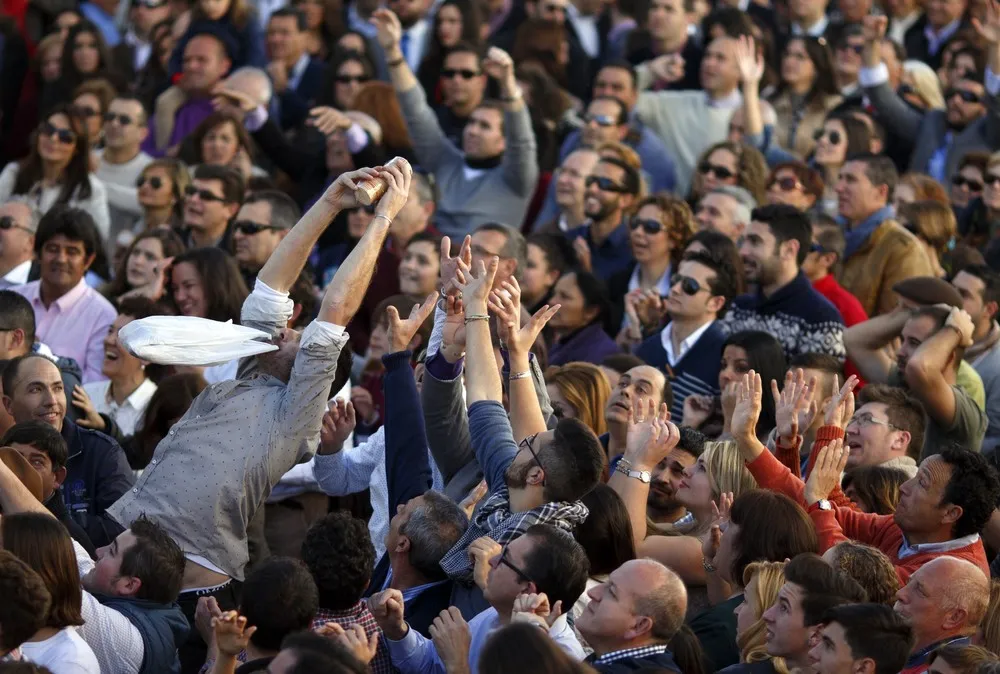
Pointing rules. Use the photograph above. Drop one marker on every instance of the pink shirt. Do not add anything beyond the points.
(73, 326)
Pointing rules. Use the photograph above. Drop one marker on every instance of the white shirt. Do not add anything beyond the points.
(691, 340)
(62, 653)
(128, 415)
(415, 38)
(16, 276)
(586, 30)
(297, 70)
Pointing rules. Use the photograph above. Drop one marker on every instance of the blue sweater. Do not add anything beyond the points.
(796, 315)
(697, 372)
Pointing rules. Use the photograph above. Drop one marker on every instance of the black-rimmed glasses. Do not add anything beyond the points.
(527, 444)
(510, 565)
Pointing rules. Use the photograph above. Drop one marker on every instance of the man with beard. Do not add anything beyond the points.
(662, 506)
(980, 289)
(785, 304)
(602, 245)
(934, 340)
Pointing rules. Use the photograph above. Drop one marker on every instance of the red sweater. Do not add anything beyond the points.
(841, 524)
(850, 309)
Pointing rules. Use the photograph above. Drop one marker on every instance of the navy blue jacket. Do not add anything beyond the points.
(658, 661)
(162, 627)
(697, 372)
(97, 474)
(296, 103)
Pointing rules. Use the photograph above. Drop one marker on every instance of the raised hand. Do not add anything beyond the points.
(651, 436)
(452, 640)
(455, 269)
(387, 608)
(668, 68)
(206, 609)
(157, 284)
(472, 499)
(453, 333)
(583, 257)
(327, 120)
(826, 472)
(873, 28)
(794, 408)
(719, 523)
(388, 28)
(697, 410)
(339, 422)
(749, 61)
(746, 411)
(233, 100)
(279, 75)
(231, 633)
(353, 638)
(840, 407)
(499, 65)
(506, 304)
(960, 320)
(649, 307)
(531, 607)
(400, 332)
(481, 551)
(90, 418)
(989, 27)
(340, 194)
(476, 288)
(397, 177)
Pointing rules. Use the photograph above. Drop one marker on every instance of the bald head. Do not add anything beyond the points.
(943, 599)
(963, 586)
(665, 600)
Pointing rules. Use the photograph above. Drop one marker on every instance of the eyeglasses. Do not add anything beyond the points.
(992, 179)
(250, 228)
(464, 73)
(526, 444)
(649, 226)
(64, 136)
(605, 184)
(786, 184)
(149, 4)
(962, 181)
(720, 172)
(7, 222)
(156, 182)
(856, 48)
(601, 120)
(510, 565)
(866, 419)
(352, 79)
(124, 120)
(966, 96)
(83, 111)
(204, 195)
(690, 286)
(817, 248)
(833, 136)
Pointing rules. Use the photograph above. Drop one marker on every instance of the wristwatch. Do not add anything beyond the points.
(822, 504)
(641, 475)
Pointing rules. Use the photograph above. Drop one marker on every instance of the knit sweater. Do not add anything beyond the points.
(123, 198)
(796, 314)
(696, 373)
(469, 197)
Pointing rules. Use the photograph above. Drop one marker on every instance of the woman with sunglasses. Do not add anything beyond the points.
(580, 328)
(795, 184)
(160, 192)
(841, 137)
(88, 106)
(980, 221)
(143, 268)
(729, 163)
(933, 223)
(455, 21)
(348, 71)
(806, 94)
(57, 171)
(967, 183)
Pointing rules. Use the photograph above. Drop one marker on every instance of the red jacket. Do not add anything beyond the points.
(841, 524)
(850, 309)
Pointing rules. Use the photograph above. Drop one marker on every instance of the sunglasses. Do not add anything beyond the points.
(649, 225)
(124, 120)
(64, 136)
(856, 48)
(204, 195)
(690, 286)
(601, 120)
(966, 96)
(464, 73)
(83, 111)
(962, 181)
(832, 136)
(992, 179)
(156, 182)
(605, 184)
(720, 172)
(149, 4)
(7, 222)
(250, 228)
(352, 79)
(786, 184)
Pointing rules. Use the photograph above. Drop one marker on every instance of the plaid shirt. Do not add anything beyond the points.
(629, 653)
(359, 614)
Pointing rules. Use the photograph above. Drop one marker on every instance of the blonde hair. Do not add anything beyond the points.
(752, 641)
(727, 469)
(585, 387)
(989, 628)
(926, 84)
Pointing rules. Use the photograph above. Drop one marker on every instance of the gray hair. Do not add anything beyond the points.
(745, 203)
(253, 82)
(34, 215)
(514, 248)
(433, 529)
(423, 184)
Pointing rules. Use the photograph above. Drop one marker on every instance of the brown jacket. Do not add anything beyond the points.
(890, 255)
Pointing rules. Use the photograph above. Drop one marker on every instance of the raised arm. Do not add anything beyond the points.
(874, 78)
(925, 370)
(751, 65)
(482, 378)
(520, 164)
(865, 343)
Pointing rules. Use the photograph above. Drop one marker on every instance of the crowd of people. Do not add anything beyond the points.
(500, 336)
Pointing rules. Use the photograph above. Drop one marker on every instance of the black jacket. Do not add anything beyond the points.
(716, 630)
(661, 662)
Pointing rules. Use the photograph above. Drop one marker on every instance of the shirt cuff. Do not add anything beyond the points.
(266, 305)
(323, 333)
(992, 82)
(439, 368)
(356, 138)
(872, 77)
(255, 119)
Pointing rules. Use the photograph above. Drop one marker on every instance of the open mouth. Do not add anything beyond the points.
(111, 355)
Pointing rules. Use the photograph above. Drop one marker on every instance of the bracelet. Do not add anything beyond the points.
(519, 375)
(476, 317)
(707, 565)
(383, 216)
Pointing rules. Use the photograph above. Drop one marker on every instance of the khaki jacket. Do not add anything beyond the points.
(890, 255)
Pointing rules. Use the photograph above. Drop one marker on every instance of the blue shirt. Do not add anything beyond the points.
(104, 22)
(613, 255)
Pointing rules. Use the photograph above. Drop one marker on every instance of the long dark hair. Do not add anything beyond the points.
(172, 246)
(69, 76)
(328, 95)
(168, 403)
(595, 294)
(221, 282)
(606, 534)
(767, 358)
(825, 82)
(522, 648)
(433, 61)
(75, 177)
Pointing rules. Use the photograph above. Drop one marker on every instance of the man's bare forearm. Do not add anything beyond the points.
(15, 497)
(289, 258)
(344, 295)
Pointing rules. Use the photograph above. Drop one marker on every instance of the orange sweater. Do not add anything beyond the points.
(789, 455)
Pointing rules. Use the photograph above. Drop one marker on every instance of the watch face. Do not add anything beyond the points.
(645, 476)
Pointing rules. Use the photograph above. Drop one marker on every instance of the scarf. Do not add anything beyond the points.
(857, 237)
(985, 344)
(484, 163)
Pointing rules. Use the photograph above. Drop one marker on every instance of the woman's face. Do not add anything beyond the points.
(561, 408)
(156, 188)
(189, 292)
(734, 365)
(357, 222)
(378, 343)
(449, 25)
(146, 254)
(991, 191)
(831, 146)
(53, 135)
(86, 58)
(50, 61)
(649, 246)
(538, 277)
(313, 9)
(574, 313)
(748, 612)
(220, 145)
(719, 168)
(350, 76)
(87, 111)
(966, 186)
(695, 490)
(786, 188)
(797, 70)
(118, 362)
(904, 194)
(214, 9)
(418, 272)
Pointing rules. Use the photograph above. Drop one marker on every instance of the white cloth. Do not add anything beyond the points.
(129, 413)
(62, 653)
(189, 340)
(16, 276)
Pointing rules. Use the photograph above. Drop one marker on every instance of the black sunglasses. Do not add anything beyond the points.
(649, 225)
(601, 120)
(992, 179)
(204, 195)
(124, 120)
(554, 9)
(156, 182)
(149, 4)
(833, 136)
(605, 184)
(352, 79)
(7, 222)
(250, 228)
(689, 285)
(786, 184)
(64, 136)
(856, 48)
(962, 181)
(966, 96)
(464, 73)
(721, 172)
(510, 565)
(83, 111)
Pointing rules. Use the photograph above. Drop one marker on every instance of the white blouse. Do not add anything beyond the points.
(45, 198)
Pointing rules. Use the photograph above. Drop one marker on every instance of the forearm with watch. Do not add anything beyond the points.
(630, 479)
(510, 95)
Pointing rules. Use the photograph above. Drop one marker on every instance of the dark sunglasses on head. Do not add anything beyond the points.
(962, 181)
(786, 184)
(649, 225)
(7, 222)
(250, 228)
(64, 136)
(83, 111)
(204, 195)
(464, 73)
(966, 96)
(124, 120)
(991, 179)
(601, 120)
(832, 136)
(156, 182)
(352, 79)
(690, 286)
(720, 172)
(605, 184)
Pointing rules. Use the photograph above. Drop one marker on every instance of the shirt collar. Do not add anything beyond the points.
(297, 70)
(939, 36)
(685, 345)
(19, 274)
(139, 397)
(637, 652)
(815, 30)
(67, 301)
(662, 284)
(730, 102)
(908, 550)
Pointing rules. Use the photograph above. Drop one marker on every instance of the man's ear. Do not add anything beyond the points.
(536, 476)
(60, 475)
(402, 544)
(89, 261)
(8, 404)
